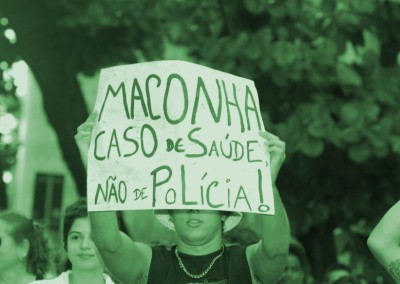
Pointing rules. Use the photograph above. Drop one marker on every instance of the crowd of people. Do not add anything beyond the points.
(98, 252)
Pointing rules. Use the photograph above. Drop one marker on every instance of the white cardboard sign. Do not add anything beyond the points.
(177, 135)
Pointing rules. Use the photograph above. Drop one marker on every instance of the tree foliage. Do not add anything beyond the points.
(327, 73)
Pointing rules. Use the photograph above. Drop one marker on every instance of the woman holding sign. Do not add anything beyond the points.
(200, 255)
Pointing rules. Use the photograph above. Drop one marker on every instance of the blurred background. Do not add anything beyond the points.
(327, 74)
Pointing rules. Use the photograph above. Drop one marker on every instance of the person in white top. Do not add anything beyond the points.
(87, 265)
(24, 249)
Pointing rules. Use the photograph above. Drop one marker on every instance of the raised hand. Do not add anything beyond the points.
(84, 135)
(276, 148)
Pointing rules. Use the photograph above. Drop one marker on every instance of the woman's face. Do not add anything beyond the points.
(197, 226)
(81, 250)
(9, 249)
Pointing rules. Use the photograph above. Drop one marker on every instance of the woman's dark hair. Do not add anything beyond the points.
(75, 211)
(297, 249)
(21, 228)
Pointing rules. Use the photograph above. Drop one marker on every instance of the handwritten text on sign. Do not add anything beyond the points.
(173, 134)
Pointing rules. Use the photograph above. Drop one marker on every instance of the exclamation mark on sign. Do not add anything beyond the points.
(260, 186)
(262, 207)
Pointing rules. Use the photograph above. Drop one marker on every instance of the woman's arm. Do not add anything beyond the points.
(384, 242)
(127, 260)
(268, 258)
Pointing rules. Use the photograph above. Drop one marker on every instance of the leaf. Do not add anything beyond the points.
(385, 125)
(241, 39)
(256, 7)
(284, 53)
(316, 78)
(328, 50)
(363, 6)
(374, 139)
(348, 76)
(316, 130)
(351, 134)
(370, 64)
(360, 153)
(252, 50)
(175, 32)
(290, 132)
(265, 63)
(174, 51)
(265, 37)
(282, 34)
(349, 20)
(216, 27)
(350, 56)
(371, 42)
(350, 113)
(321, 122)
(395, 144)
(371, 111)
(311, 147)
(381, 152)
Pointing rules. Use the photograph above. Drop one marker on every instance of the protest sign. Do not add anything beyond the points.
(177, 135)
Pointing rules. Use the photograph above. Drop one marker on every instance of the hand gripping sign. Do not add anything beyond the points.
(177, 135)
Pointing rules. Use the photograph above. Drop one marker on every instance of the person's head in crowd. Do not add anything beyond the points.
(296, 270)
(24, 250)
(85, 261)
(78, 244)
(339, 274)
